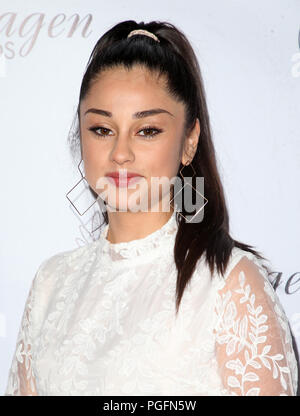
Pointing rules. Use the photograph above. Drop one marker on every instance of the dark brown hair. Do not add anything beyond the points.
(174, 58)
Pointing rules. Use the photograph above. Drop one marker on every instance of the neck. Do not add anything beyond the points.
(127, 226)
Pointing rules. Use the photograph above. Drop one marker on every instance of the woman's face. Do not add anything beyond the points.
(121, 140)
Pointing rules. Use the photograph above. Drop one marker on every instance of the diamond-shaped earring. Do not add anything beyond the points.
(82, 179)
(181, 189)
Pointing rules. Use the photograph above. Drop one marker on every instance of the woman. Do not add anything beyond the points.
(161, 303)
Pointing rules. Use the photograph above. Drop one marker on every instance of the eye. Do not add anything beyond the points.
(150, 128)
(104, 129)
(145, 129)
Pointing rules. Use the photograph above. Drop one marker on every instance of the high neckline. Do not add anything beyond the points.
(140, 246)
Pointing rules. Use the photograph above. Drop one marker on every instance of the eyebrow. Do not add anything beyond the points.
(138, 114)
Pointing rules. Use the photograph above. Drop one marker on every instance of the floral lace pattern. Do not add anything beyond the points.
(135, 248)
(253, 335)
(100, 320)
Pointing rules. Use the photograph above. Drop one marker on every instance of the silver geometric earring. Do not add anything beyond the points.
(82, 179)
(180, 192)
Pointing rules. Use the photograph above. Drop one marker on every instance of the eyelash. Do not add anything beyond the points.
(94, 129)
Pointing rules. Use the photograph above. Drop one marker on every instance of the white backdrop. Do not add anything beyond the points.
(250, 60)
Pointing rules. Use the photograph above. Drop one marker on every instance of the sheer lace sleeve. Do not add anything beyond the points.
(253, 340)
(21, 381)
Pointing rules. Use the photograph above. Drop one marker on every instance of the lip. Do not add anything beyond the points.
(122, 179)
(122, 174)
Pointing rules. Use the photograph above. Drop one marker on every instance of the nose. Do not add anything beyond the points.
(121, 151)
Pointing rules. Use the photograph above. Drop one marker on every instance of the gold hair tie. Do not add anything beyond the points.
(143, 32)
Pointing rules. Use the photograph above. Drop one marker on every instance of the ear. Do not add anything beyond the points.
(191, 143)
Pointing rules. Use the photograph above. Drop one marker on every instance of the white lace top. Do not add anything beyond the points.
(100, 320)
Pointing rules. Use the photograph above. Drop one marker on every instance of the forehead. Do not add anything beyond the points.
(134, 88)
(135, 76)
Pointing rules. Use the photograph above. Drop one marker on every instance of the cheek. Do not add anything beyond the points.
(167, 160)
(94, 162)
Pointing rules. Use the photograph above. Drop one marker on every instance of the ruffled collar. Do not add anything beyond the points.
(142, 246)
